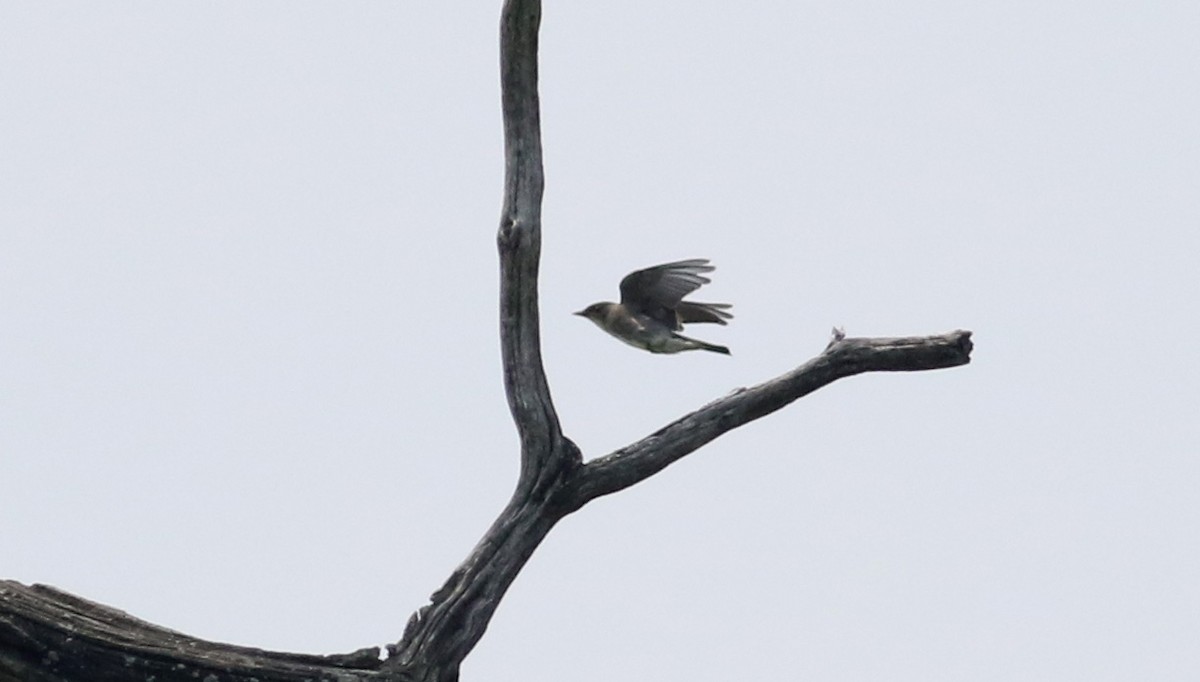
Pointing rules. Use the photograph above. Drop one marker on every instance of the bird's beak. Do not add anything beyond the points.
(579, 313)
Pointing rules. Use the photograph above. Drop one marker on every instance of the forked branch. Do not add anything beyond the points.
(49, 636)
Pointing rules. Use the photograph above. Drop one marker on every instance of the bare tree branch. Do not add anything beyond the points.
(49, 636)
(520, 241)
(440, 635)
(843, 358)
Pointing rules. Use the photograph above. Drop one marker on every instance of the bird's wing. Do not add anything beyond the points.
(656, 291)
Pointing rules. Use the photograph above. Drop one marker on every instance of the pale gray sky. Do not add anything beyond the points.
(249, 374)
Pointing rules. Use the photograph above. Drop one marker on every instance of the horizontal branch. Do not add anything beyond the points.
(842, 358)
(47, 635)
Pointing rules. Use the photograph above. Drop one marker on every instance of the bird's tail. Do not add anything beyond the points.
(697, 344)
(713, 347)
(694, 311)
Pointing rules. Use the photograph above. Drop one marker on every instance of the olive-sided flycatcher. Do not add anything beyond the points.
(652, 308)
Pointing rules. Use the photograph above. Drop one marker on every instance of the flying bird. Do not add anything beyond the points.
(652, 309)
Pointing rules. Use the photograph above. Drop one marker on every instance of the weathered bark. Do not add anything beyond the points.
(441, 634)
(842, 358)
(49, 636)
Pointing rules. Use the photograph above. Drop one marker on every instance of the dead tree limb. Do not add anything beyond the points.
(553, 481)
(49, 636)
(441, 634)
(843, 358)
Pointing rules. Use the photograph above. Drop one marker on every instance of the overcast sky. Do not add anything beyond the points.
(250, 385)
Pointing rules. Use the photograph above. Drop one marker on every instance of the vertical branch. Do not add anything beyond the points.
(519, 240)
(441, 634)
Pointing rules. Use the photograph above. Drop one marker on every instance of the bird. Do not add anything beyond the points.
(652, 309)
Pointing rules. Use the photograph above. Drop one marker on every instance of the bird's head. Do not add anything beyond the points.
(595, 312)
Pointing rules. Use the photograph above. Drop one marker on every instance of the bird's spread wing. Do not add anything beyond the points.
(657, 291)
(666, 284)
